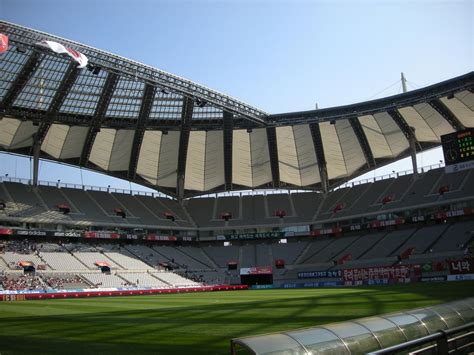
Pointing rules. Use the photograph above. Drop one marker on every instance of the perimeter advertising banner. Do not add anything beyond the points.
(464, 266)
(455, 213)
(390, 273)
(166, 238)
(245, 236)
(392, 222)
(326, 231)
(320, 274)
(102, 235)
(264, 270)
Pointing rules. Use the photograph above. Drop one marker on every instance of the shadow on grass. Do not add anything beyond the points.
(207, 329)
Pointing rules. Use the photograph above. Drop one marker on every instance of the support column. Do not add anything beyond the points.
(273, 151)
(320, 156)
(412, 140)
(186, 122)
(228, 141)
(36, 154)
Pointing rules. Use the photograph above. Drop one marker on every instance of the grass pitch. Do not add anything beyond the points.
(196, 323)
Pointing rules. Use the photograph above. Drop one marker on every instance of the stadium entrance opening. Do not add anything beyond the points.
(256, 276)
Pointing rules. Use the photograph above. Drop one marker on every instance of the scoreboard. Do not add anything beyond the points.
(458, 150)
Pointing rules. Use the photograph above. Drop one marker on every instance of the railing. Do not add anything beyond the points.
(264, 192)
(441, 338)
(392, 175)
(60, 184)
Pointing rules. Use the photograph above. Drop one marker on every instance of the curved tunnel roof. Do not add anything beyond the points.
(138, 123)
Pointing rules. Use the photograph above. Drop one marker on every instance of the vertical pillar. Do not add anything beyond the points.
(412, 140)
(36, 153)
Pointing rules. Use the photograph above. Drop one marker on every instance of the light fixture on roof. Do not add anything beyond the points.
(20, 48)
(332, 122)
(164, 131)
(249, 130)
(200, 103)
(164, 92)
(450, 96)
(94, 69)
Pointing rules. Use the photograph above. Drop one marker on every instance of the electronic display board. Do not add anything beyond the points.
(458, 150)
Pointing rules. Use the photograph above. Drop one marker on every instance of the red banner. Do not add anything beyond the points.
(334, 230)
(102, 263)
(168, 238)
(464, 266)
(382, 272)
(25, 263)
(3, 43)
(101, 235)
(392, 222)
(456, 213)
(6, 231)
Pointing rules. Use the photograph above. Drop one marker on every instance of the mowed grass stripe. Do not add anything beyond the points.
(196, 323)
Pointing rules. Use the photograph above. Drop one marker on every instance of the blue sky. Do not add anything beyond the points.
(277, 55)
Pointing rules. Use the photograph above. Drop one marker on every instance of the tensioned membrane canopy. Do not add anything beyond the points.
(139, 123)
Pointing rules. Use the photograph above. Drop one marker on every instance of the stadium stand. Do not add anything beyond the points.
(227, 147)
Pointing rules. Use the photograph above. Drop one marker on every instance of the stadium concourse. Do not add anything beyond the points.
(198, 148)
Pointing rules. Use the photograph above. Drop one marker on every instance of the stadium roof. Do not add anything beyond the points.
(138, 123)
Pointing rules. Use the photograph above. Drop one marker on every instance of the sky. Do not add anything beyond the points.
(279, 56)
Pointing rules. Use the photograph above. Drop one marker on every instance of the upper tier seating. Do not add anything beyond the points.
(97, 207)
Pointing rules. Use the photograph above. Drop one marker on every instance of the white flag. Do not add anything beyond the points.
(59, 48)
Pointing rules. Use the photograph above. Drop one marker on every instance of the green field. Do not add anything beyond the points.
(197, 323)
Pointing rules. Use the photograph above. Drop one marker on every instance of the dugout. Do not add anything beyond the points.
(363, 335)
(256, 276)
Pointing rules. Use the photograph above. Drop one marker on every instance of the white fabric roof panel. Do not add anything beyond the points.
(102, 148)
(466, 97)
(306, 155)
(423, 131)
(214, 168)
(250, 158)
(8, 129)
(54, 140)
(437, 122)
(288, 156)
(158, 160)
(74, 142)
(377, 142)
(296, 156)
(111, 149)
(463, 113)
(121, 150)
(205, 161)
(147, 166)
(336, 166)
(195, 161)
(168, 159)
(16, 134)
(261, 168)
(395, 138)
(354, 157)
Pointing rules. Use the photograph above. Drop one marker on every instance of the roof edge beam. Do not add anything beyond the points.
(70, 76)
(320, 156)
(407, 130)
(273, 151)
(186, 121)
(99, 116)
(228, 145)
(363, 141)
(446, 113)
(26, 72)
(145, 109)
